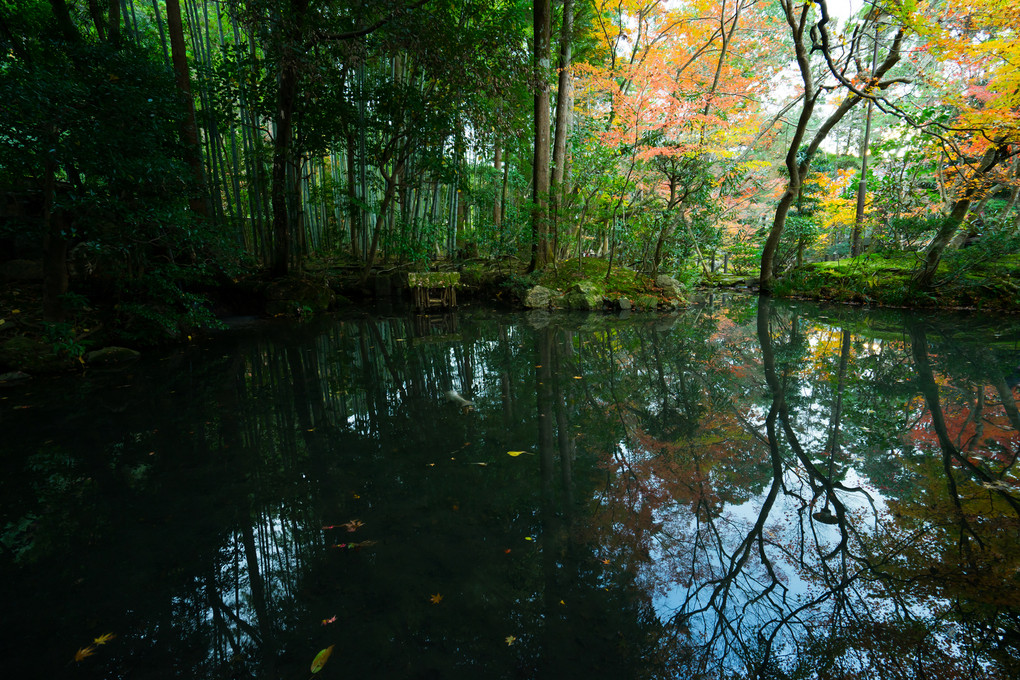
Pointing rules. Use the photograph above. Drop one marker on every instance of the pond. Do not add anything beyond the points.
(742, 489)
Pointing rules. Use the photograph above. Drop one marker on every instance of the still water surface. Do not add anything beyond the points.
(740, 490)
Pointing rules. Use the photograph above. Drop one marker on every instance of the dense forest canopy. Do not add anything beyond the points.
(156, 145)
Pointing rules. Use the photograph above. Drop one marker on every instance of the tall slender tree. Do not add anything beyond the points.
(541, 244)
(805, 29)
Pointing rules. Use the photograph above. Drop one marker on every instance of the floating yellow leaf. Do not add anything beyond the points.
(321, 658)
(516, 453)
(104, 638)
(84, 652)
(510, 639)
(436, 599)
(528, 538)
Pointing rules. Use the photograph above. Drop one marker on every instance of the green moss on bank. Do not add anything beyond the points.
(888, 280)
(592, 278)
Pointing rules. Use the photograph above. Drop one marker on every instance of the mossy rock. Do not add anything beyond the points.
(539, 297)
(33, 355)
(583, 296)
(108, 356)
(297, 296)
(670, 287)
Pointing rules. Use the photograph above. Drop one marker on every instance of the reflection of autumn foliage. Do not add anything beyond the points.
(949, 547)
(977, 423)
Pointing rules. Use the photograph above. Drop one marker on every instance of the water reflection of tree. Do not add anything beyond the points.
(780, 585)
(679, 463)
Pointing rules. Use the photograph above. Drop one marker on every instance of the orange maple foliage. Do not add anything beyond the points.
(677, 79)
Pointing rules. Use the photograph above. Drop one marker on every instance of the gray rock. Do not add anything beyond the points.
(110, 355)
(583, 296)
(670, 285)
(13, 377)
(538, 297)
(624, 305)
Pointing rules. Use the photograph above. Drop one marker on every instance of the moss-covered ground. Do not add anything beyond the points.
(960, 282)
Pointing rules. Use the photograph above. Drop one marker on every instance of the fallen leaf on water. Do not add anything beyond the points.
(353, 525)
(84, 652)
(507, 551)
(436, 599)
(479, 464)
(104, 638)
(510, 639)
(605, 561)
(354, 546)
(328, 621)
(321, 658)
(363, 544)
(528, 538)
(516, 453)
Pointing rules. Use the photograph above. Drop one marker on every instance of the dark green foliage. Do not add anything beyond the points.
(100, 121)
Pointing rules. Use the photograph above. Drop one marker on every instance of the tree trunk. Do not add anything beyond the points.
(798, 171)
(564, 108)
(97, 19)
(497, 198)
(354, 210)
(283, 142)
(925, 276)
(63, 18)
(54, 249)
(540, 247)
(114, 24)
(862, 186)
(189, 127)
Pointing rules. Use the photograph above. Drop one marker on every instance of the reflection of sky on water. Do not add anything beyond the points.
(787, 525)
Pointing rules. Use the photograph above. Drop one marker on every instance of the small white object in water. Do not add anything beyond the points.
(454, 396)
